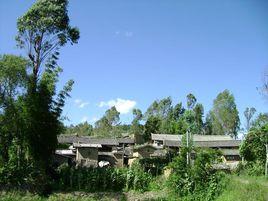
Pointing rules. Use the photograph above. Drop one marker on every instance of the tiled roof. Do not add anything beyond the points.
(212, 144)
(162, 137)
(174, 137)
(87, 145)
(218, 143)
(70, 139)
(104, 141)
(126, 140)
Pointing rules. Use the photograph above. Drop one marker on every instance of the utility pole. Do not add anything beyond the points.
(266, 164)
(187, 145)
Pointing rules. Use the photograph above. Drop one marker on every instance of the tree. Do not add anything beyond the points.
(152, 125)
(249, 113)
(136, 127)
(191, 101)
(103, 127)
(113, 116)
(178, 111)
(42, 30)
(13, 77)
(198, 116)
(159, 109)
(107, 125)
(208, 125)
(81, 129)
(253, 147)
(224, 115)
(260, 121)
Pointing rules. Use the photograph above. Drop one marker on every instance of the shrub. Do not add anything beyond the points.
(251, 168)
(198, 181)
(102, 179)
(137, 179)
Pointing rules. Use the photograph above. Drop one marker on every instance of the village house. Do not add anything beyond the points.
(87, 154)
(228, 146)
(89, 151)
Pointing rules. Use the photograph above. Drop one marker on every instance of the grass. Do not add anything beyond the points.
(75, 196)
(241, 188)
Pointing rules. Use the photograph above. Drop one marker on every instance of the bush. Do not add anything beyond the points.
(198, 181)
(251, 168)
(137, 179)
(25, 176)
(102, 179)
(155, 166)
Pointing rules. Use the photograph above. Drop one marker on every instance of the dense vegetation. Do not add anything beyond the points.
(162, 116)
(31, 118)
(31, 108)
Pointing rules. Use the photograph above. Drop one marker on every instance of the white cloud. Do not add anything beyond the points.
(80, 103)
(117, 33)
(84, 119)
(77, 101)
(128, 34)
(123, 106)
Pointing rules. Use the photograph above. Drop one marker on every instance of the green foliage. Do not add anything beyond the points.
(224, 115)
(13, 76)
(44, 28)
(30, 107)
(152, 125)
(137, 179)
(136, 127)
(155, 166)
(260, 121)
(160, 109)
(249, 113)
(103, 179)
(108, 125)
(81, 129)
(250, 168)
(191, 101)
(253, 147)
(91, 179)
(244, 188)
(198, 181)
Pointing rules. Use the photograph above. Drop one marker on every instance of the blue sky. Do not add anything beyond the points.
(133, 52)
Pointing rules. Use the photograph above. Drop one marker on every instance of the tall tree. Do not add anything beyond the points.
(152, 125)
(81, 129)
(249, 113)
(224, 115)
(42, 30)
(260, 121)
(208, 125)
(107, 125)
(191, 101)
(198, 116)
(13, 77)
(178, 111)
(136, 127)
(160, 109)
(113, 116)
(253, 147)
